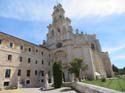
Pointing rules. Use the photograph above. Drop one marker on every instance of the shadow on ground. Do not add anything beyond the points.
(42, 89)
(66, 90)
(60, 90)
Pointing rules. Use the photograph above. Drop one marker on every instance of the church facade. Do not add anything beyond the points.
(28, 65)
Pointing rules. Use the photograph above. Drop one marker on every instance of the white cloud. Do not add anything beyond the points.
(114, 49)
(42, 9)
(80, 8)
(119, 57)
(26, 10)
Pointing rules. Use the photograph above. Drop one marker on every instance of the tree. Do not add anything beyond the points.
(57, 74)
(115, 69)
(123, 70)
(76, 65)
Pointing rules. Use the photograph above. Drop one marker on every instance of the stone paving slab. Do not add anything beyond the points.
(37, 90)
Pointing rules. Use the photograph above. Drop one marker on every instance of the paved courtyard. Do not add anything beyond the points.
(37, 90)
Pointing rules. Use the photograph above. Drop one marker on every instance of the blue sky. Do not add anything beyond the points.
(28, 19)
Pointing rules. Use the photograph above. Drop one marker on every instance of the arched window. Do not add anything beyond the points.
(59, 30)
(92, 46)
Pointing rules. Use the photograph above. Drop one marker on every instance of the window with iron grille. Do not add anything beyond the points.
(7, 73)
(28, 73)
(19, 72)
(6, 83)
(27, 81)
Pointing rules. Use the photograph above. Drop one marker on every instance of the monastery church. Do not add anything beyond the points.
(25, 64)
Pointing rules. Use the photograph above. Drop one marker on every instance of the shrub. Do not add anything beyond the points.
(90, 79)
(103, 79)
(75, 66)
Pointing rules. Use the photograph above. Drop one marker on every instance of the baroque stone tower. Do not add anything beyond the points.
(60, 29)
(65, 45)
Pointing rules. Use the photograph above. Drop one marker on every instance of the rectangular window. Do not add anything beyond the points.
(11, 44)
(49, 63)
(9, 57)
(19, 72)
(29, 60)
(28, 73)
(42, 80)
(29, 49)
(42, 61)
(7, 73)
(6, 83)
(21, 58)
(42, 73)
(49, 55)
(36, 50)
(27, 81)
(35, 72)
(0, 41)
(36, 61)
(42, 53)
(21, 47)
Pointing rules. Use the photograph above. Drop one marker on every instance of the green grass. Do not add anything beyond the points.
(116, 84)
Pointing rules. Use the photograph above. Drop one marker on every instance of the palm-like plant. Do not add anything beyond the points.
(76, 65)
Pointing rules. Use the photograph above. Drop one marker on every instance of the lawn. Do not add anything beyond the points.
(116, 84)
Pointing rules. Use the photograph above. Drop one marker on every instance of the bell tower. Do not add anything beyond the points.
(59, 28)
(58, 14)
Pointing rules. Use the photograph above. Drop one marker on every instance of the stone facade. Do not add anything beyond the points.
(66, 45)
(23, 64)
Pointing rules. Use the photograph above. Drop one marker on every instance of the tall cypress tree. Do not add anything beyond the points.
(57, 74)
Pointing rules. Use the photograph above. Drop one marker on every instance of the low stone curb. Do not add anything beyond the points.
(88, 88)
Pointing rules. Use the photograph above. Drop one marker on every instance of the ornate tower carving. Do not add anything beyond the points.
(59, 29)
